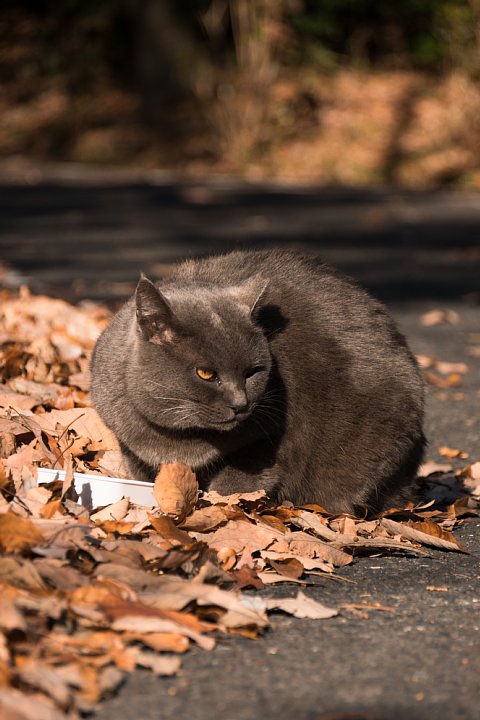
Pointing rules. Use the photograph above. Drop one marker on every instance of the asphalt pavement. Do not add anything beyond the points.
(82, 235)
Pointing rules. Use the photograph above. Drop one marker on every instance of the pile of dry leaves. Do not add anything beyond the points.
(90, 594)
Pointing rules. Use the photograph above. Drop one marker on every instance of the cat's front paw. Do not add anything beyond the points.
(230, 480)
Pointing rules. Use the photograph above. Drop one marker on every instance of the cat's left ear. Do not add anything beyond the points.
(154, 314)
(251, 292)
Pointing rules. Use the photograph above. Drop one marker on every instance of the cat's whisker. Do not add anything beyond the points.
(170, 410)
(180, 421)
(262, 429)
(273, 418)
(273, 395)
(164, 397)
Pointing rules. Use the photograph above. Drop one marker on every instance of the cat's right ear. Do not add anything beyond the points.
(251, 292)
(153, 312)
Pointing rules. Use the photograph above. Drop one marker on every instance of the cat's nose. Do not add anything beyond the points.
(238, 403)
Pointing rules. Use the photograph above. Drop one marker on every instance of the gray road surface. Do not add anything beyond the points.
(73, 235)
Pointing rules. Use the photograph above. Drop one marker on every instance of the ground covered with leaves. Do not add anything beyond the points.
(90, 594)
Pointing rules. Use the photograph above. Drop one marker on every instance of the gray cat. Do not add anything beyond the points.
(265, 370)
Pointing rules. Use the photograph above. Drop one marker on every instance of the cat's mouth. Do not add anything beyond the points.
(229, 423)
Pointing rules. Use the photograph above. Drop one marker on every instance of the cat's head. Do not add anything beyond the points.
(201, 361)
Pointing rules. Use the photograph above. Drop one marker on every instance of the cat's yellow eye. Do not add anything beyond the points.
(205, 374)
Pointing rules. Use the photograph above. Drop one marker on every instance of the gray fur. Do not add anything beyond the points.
(331, 412)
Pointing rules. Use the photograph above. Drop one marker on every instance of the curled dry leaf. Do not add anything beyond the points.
(176, 490)
(311, 521)
(291, 568)
(426, 533)
(302, 606)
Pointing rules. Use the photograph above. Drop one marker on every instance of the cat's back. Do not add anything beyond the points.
(282, 266)
(307, 290)
(327, 314)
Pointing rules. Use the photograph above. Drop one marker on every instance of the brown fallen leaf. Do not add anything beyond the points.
(445, 368)
(274, 578)
(311, 521)
(290, 567)
(18, 533)
(247, 577)
(345, 525)
(434, 588)
(16, 705)
(116, 511)
(270, 520)
(473, 351)
(450, 380)
(176, 490)
(210, 517)
(431, 467)
(47, 679)
(425, 361)
(307, 563)
(158, 664)
(227, 557)
(301, 606)
(426, 533)
(251, 500)
(174, 535)
(84, 421)
(162, 641)
(436, 317)
(300, 543)
(21, 466)
(239, 534)
(451, 453)
(21, 573)
(472, 471)
(16, 401)
(361, 609)
(58, 574)
(142, 623)
(11, 617)
(241, 608)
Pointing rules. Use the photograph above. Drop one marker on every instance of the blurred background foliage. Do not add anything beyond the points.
(349, 91)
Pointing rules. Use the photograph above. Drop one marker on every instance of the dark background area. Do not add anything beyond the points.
(330, 91)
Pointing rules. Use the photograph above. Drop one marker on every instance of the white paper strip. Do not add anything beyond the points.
(96, 490)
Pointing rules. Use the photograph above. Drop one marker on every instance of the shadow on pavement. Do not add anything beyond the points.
(92, 240)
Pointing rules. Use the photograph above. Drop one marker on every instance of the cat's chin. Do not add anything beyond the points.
(230, 424)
